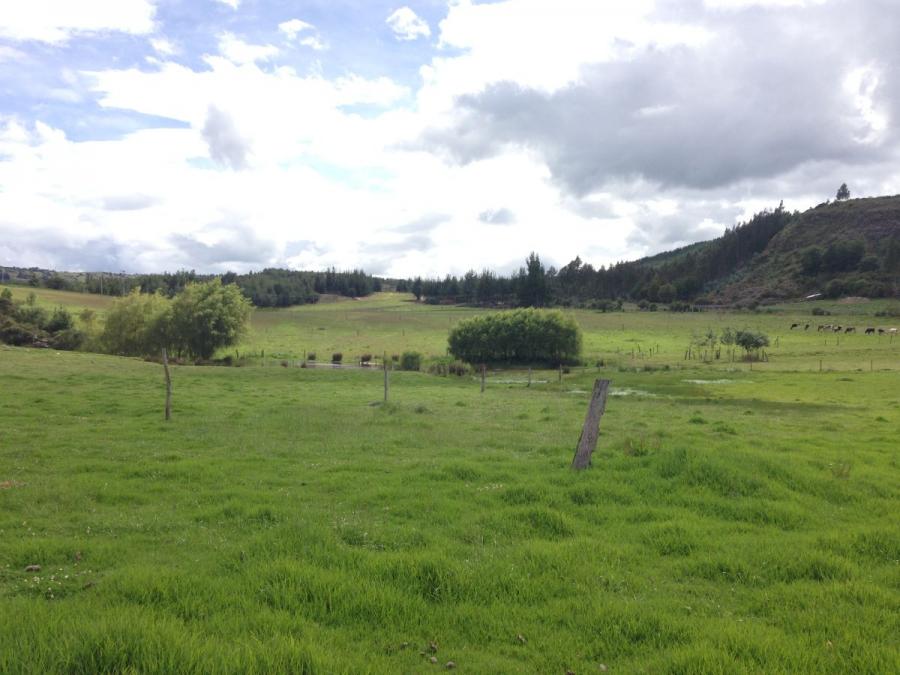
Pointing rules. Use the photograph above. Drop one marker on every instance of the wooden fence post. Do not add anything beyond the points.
(386, 382)
(482, 377)
(165, 360)
(529, 377)
(560, 368)
(591, 430)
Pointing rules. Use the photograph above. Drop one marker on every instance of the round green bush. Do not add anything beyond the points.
(525, 336)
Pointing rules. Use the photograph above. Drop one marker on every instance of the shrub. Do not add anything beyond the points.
(448, 366)
(60, 320)
(411, 361)
(395, 358)
(311, 356)
(337, 357)
(68, 339)
(751, 340)
(820, 311)
(14, 333)
(365, 358)
(518, 336)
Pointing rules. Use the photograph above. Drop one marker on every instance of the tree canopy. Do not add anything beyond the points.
(517, 336)
(202, 318)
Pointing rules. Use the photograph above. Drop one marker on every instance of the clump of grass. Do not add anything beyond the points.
(841, 470)
(640, 446)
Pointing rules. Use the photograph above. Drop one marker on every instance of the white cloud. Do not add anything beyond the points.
(314, 42)
(234, 4)
(293, 27)
(164, 46)
(237, 51)
(11, 54)
(53, 21)
(329, 171)
(407, 25)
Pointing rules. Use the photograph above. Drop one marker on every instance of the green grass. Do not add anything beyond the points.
(733, 521)
(391, 323)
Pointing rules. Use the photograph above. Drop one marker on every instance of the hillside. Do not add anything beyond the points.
(836, 249)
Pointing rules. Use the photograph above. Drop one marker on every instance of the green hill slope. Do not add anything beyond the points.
(836, 249)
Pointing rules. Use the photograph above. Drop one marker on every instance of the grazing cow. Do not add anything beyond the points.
(806, 327)
(794, 325)
(892, 331)
(869, 331)
(837, 329)
(850, 329)
(881, 331)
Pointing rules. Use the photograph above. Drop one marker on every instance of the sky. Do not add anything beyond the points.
(431, 137)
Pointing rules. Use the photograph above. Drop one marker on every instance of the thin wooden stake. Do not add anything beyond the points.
(483, 368)
(560, 371)
(386, 379)
(529, 377)
(165, 360)
(591, 430)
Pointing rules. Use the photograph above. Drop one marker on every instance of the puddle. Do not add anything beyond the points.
(714, 381)
(628, 391)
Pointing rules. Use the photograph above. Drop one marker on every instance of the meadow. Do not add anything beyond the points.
(286, 520)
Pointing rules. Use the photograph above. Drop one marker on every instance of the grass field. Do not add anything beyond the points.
(733, 521)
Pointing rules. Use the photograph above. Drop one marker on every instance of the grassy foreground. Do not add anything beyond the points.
(733, 521)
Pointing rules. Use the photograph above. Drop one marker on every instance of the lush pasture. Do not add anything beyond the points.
(392, 323)
(734, 521)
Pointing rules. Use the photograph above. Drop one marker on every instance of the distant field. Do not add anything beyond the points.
(733, 522)
(391, 323)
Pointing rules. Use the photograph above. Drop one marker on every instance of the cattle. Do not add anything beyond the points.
(892, 331)
(794, 325)
(850, 329)
(806, 327)
(837, 329)
(869, 331)
(881, 331)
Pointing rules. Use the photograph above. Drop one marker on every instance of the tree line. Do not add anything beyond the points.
(272, 287)
(681, 275)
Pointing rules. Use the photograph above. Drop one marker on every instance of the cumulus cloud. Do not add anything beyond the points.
(54, 22)
(237, 51)
(604, 129)
(224, 245)
(697, 118)
(129, 202)
(497, 217)
(226, 145)
(11, 54)
(407, 25)
(294, 27)
(164, 46)
(234, 4)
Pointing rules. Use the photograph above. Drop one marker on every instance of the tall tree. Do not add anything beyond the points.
(532, 283)
(843, 192)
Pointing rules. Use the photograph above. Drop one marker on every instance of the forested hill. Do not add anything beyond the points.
(843, 248)
(849, 247)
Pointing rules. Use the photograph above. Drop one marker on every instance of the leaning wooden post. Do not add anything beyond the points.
(591, 431)
(483, 368)
(165, 359)
(386, 382)
(560, 368)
